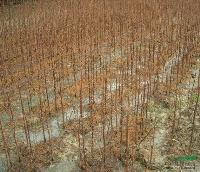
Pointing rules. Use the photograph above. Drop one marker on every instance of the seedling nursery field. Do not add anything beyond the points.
(99, 85)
